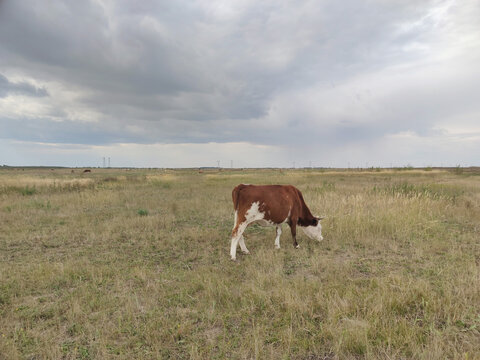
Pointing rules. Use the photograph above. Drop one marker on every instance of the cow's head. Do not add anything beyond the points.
(314, 231)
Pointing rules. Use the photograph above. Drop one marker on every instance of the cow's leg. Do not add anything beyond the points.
(293, 228)
(242, 245)
(233, 246)
(237, 234)
(234, 241)
(242, 220)
(277, 239)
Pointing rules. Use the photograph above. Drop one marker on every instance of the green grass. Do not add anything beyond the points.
(87, 272)
(142, 212)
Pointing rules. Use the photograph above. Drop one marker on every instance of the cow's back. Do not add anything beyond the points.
(277, 202)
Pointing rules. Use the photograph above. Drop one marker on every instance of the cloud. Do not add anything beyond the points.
(323, 76)
(20, 88)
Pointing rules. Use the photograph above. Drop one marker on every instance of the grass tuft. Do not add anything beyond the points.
(27, 191)
(142, 212)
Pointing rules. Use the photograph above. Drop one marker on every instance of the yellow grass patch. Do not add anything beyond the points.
(135, 264)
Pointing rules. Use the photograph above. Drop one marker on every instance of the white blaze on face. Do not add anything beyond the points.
(313, 232)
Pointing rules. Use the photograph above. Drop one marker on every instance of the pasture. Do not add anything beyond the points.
(135, 265)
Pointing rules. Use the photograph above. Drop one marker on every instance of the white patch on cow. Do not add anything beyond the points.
(254, 213)
(313, 232)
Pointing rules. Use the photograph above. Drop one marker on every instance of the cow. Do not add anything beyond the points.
(271, 205)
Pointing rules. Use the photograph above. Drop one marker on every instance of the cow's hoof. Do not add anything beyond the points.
(277, 247)
(297, 246)
(246, 252)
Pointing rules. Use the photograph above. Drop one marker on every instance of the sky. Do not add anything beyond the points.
(324, 83)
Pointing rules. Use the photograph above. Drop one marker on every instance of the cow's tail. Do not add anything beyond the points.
(236, 195)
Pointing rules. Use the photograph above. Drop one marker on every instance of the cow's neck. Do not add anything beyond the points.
(306, 217)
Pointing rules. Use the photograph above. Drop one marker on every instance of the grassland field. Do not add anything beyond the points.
(135, 264)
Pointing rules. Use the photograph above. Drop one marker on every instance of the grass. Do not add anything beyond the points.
(142, 212)
(87, 272)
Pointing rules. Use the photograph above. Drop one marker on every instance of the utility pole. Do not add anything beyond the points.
(218, 164)
(231, 164)
(109, 161)
(104, 161)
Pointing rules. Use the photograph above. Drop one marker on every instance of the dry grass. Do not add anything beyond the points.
(135, 264)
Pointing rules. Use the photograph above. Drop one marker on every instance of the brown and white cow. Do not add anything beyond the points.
(271, 205)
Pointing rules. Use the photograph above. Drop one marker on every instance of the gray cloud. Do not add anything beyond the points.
(22, 88)
(292, 74)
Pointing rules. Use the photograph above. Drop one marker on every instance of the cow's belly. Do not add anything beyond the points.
(260, 213)
(264, 222)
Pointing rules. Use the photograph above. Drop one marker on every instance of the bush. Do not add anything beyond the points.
(142, 212)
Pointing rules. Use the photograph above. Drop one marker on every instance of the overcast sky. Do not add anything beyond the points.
(260, 83)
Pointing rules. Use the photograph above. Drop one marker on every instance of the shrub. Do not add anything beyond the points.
(142, 212)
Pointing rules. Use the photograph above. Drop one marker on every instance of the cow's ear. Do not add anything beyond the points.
(314, 222)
